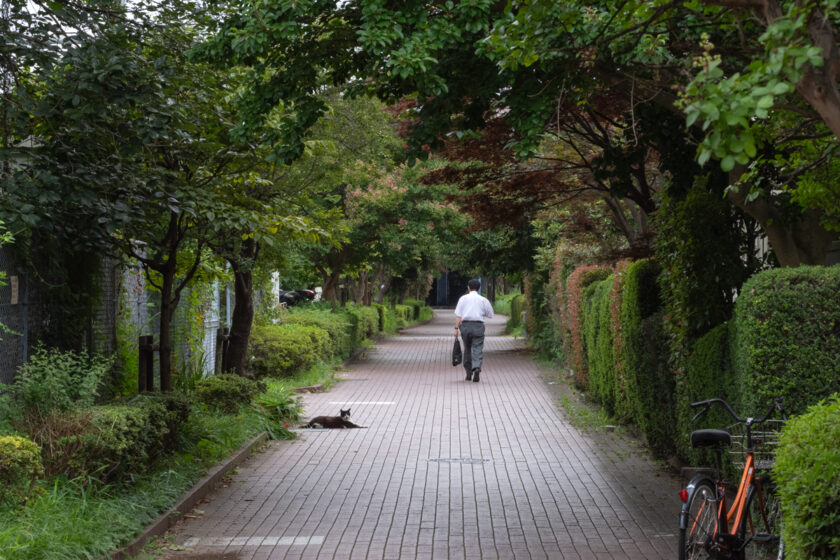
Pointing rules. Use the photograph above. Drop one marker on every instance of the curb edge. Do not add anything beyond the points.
(203, 487)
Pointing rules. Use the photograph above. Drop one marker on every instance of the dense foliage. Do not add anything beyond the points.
(20, 467)
(808, 473)
(786, 338)
(227, 392)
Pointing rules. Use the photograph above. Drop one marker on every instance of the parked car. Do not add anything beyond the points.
(289, 298)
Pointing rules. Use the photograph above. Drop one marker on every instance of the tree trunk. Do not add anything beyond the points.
(361, 288)
(804, 242)
(236, 357)
(330, 292)
(167, 310)
(334, 262)
(383, 282)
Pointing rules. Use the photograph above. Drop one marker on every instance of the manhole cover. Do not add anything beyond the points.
(467, 460)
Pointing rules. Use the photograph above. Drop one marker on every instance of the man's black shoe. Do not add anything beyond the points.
(469, 376)
(475, 373)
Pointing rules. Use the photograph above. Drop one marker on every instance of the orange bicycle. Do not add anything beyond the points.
(750, 527)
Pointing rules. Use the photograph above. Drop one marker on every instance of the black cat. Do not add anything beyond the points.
(332, 422)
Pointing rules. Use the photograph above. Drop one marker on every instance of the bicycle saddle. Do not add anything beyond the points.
(710, 438)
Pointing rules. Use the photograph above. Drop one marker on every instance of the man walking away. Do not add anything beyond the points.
(470, 313)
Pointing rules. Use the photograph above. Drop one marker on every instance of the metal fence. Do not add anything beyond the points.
(127, 309)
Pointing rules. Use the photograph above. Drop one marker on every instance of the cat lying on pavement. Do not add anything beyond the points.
(332, 422)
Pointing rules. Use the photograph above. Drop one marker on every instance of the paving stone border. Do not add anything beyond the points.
(201, 489)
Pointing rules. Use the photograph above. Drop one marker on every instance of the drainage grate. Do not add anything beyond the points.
(462, 460)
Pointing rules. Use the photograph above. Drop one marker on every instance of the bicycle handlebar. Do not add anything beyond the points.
(776, 406)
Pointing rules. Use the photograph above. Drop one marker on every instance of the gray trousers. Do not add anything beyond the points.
(472, 333)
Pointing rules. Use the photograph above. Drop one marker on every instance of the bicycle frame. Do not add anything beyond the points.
(732, 523)
(729, 518)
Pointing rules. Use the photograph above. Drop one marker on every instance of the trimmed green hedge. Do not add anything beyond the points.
(336, 323)
(227, 392)
(364, 322)
(707, 374)
(808, 473)
(387, 318)
(284, 350)
(786, 337)
(517, 308)
(578, 281)
(598, 343)
(649, 382)
(404, 314)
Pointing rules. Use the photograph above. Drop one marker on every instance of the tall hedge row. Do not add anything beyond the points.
(644, 357)
(575, 299)
(598, 341)
(786, 337)
(707, 374)
(309, 334)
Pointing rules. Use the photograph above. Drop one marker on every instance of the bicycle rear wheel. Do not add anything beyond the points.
(761, 529)
(697, 533)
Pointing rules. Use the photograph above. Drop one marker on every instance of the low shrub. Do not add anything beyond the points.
(176, 411)
(227, 393)
(53, 381)
(404, 314)
(517, 308)
(283, 350)
(786, 337)
(279, 402)
(501, 306)
(426, 313)
(364, 322)
(98, 443)
(416, 305)
(808, 475)
(336, 323)
(387, 318)
(20, 467)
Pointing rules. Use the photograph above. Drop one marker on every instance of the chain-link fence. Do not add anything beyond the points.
(14, 316)
(127, 309)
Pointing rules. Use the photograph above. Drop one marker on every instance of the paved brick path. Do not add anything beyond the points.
(446, 469)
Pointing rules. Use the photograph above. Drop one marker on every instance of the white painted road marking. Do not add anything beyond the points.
(362, 402)
(253, 541)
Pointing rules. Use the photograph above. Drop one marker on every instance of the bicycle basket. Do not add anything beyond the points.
(765, 440)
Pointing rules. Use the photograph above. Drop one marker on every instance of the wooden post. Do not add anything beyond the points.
(220, 351)
(142, 359)
(222, 344)
(146, 364)
(150, 364)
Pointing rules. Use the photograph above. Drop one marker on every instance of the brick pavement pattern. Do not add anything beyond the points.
(446, 469)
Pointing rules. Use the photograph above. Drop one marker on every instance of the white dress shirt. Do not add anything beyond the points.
(473, 307)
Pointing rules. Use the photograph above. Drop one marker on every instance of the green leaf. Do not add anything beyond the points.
(727, 163)
(765, 102)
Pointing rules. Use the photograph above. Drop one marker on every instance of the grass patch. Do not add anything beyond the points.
(322, 373)
(583, 416)
(72, 519)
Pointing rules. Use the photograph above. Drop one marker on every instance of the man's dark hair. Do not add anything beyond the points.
(474, 284)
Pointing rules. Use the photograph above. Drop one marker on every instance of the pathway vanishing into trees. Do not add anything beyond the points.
(446, 469)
